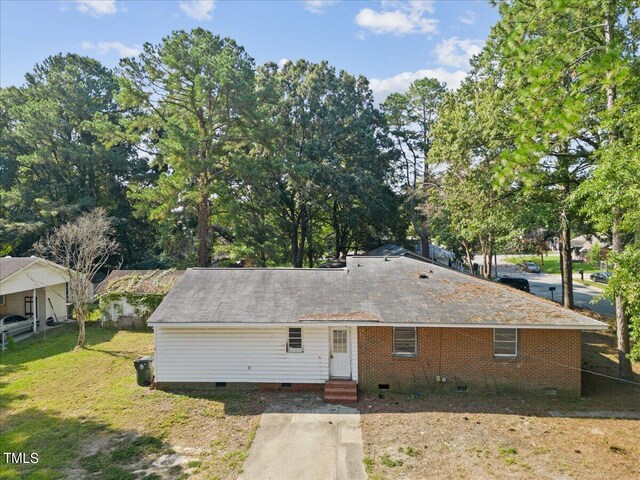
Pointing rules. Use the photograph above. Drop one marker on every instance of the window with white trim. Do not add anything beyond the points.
(405, 341)
(505, 342)
(294, 340)
(1, 299)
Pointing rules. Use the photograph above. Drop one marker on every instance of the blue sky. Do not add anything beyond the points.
(390, 42)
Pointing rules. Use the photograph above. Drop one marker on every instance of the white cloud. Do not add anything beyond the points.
(198, 9)
(398, 18)
(318, 6)
(468, 17)
(283, 62)
(103, 48)
(97, 8)
(400, 83)
(456, 52)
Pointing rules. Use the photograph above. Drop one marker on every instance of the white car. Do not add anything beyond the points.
(11, 325)
(532, 267)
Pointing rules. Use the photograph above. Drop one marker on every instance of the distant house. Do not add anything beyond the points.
(34, 288)
(582, 245)
(390, 322)
(128, 297)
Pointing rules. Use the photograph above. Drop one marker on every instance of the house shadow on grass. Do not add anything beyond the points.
(69, 447)
(60, 340)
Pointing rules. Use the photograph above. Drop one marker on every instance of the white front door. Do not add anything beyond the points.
(339, 357)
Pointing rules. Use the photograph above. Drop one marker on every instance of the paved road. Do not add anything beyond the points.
(540, 283)
(300, 437)
(582, 295)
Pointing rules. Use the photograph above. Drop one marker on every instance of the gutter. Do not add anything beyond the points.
(597, 325)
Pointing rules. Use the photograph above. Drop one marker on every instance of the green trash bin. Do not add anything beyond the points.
(143, 370)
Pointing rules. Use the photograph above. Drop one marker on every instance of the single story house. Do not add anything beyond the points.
(23, 279)
(396, 323)
(128, 297)
(581, 247)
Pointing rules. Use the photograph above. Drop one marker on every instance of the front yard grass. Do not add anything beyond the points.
(84, 414)
(552, 266)
(471, 435)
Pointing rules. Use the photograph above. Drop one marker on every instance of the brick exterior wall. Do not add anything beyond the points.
(465, 357)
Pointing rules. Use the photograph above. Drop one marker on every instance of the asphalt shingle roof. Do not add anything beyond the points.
(369, 290)
(10, 265)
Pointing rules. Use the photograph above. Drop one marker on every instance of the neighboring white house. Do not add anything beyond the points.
(128, 297)
(23, 279)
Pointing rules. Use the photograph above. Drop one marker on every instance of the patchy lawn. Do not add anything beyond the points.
(83, 413)
(467, 435)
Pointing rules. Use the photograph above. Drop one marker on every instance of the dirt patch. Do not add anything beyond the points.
(460, 437)
(508, 436)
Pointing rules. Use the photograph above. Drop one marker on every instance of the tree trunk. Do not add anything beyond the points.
(424, 243)
(468, 255)
(622, 321)
(203, 231)
(81, 330)
(294, 246)
(489, 257)
(299, 258)
(566, 266)
(310, 244)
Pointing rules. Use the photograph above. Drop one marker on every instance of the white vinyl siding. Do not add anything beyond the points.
(56, 298)
(33, 276)
(252, 355)
(505, 342)
(405, 341)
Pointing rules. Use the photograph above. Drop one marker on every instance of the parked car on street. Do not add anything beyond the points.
(532, 267)
(600, 277)
(11, 325)
(515, 282)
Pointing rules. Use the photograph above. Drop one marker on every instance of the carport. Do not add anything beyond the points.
(33, 287)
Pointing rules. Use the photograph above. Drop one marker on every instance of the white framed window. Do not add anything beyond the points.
(1, 299)
(294, 340)
(505, 342)
(405, 341)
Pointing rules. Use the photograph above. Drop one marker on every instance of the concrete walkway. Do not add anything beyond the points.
(301, 437)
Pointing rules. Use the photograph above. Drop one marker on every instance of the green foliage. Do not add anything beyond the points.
(410, 451)
(625, 281)
(387, 461)
(476, 215)
(194, 95)
(318, 184)
(410, 119)
(53, 164)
